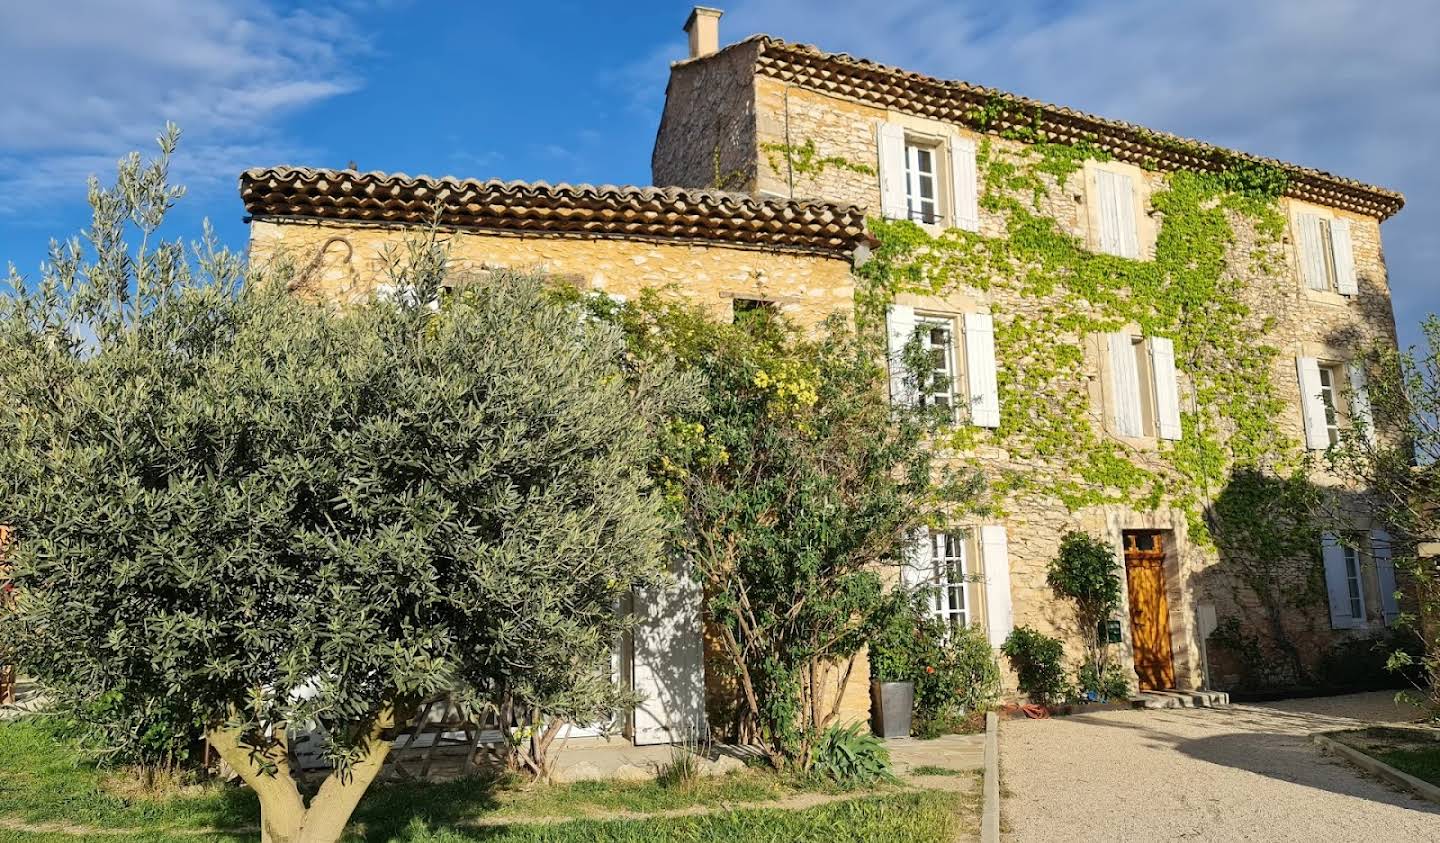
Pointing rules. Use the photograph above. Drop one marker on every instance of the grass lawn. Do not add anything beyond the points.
(1406, 749)
(46, 784)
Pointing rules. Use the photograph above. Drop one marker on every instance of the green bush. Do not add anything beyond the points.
(1038, 662)
(954, 670)
(1108, 683)
(851, 757)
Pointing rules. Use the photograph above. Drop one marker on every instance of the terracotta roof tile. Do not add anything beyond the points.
(961, 102)
(538, 207)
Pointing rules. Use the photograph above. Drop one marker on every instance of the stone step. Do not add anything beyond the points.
(1179, 699)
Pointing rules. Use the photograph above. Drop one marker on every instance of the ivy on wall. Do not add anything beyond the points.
(1225, 470)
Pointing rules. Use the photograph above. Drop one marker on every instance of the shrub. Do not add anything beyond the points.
(851, 757)
(1037, 659)
(1108, 683)
(1085, 571)
(954, 670)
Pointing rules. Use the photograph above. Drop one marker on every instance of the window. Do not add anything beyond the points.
(937, 338)
(1324, 249)
(949, 572)
(921, 183)
(1329, 385)
(1352, 581)
(1114, 210)
(751, 313)
(1146, 396)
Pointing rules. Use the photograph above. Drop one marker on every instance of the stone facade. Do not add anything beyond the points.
(1300, 322)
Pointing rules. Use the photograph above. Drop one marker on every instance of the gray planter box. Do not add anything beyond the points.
(892, 705)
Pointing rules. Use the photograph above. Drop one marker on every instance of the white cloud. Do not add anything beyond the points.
(1349, 86)
(87, 81)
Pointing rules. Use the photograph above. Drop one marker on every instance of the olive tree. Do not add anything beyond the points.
(276, 515)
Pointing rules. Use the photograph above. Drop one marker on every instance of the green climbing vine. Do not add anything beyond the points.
(1067, 293)
(806, 160)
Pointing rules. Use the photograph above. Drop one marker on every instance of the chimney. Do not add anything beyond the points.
(703, 27)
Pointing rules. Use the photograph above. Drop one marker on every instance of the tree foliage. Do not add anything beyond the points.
(1395, 454)
(275, 514)
(797, 485)
(1085, 571)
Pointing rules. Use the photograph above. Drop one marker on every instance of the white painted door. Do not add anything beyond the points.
(668, 668)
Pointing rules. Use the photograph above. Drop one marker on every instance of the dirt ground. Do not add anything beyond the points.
(1245, 772)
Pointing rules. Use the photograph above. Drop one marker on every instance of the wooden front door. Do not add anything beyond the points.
(1149, 610)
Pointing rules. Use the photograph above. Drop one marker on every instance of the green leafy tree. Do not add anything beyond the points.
(798, 484)
(1394, 453)
(273, 514)
(1085, 572)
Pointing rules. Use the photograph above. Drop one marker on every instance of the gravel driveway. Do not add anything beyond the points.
(1247, 772)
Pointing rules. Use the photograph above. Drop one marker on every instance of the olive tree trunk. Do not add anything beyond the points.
(284, 815)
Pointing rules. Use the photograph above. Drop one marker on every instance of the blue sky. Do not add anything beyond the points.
(571, 91)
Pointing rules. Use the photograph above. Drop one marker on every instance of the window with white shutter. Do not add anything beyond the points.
(1359, 401)
(1380, 550)
(1316, 412)
(981, 378)
(1167, 388)
(1324, 248)
(1115, 200)
(1125, 379)
(892, 171)
(965, 188)
(995, 556)
(900, 328)
(950, 578)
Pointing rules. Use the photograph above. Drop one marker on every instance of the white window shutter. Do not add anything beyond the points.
(1312, 406)
(1126, 380)
(916, 564)
(980, 372)
(1336, 583)
(1360, 400)
(1167, 388)
(1385, 573)
(965, 181)
(892, 171)
(1344, 255)
(1118, 235)
(1310, 251)
(995, 554)
(900, 325)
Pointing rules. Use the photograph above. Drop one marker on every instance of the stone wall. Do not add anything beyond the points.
(344, 262)
(1300, 322)
(706, 137)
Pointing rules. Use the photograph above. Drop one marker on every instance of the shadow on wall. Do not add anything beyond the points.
(1271, 596)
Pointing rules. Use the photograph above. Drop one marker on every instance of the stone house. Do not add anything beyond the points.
(1142, 337)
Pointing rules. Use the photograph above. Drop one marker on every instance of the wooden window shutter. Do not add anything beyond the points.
(980, 374)
(1312, 406)
(1385, 574)
(900, 326)
(1336, 582)
(1167, 387)
(1118, 234)
(965, 181)
(1344, 254)
(995, 555)
(892, 171)
(1310, 251)
(1360, 414)
(1126, 380)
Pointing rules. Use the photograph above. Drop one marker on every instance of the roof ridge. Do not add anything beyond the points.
(1128, 141)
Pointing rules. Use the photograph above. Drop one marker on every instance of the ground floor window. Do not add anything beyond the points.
(950, 570)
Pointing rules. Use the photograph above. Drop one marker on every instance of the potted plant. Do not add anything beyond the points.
(893, 665)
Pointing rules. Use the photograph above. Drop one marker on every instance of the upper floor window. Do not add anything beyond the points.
(928, 177)
(1119, 229)
(1333, 396)
(922, 202)
(956, 365)
(1325, 252)
(1145, 388)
